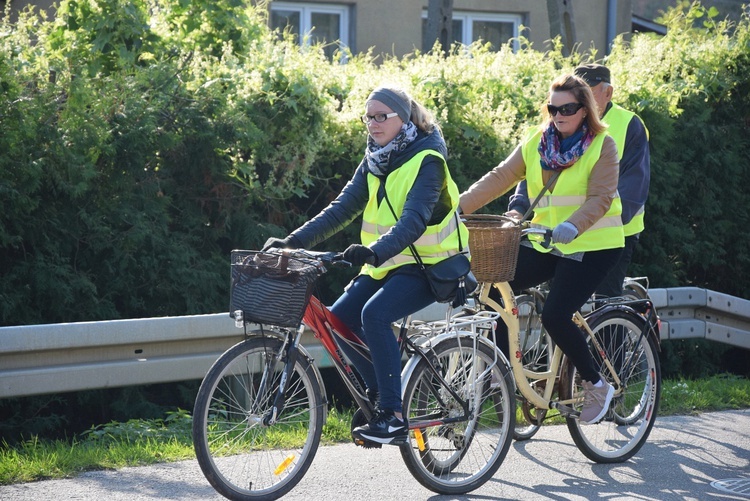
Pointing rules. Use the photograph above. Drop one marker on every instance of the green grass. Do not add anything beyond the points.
(143, 442)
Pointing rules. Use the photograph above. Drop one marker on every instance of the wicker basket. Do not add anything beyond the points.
(493, 242)
(270, 288)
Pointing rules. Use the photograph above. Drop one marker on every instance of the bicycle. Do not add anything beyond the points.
(260, 409)
(622, 335)
(537, 347)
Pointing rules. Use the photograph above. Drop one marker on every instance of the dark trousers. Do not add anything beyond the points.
(369, 307)
(611, 286)
(573, 283)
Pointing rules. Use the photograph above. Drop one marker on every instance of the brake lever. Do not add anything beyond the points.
(547, 242)
(339, 259)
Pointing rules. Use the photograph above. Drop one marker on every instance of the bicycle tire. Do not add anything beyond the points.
(459, 457)
(239, 454)
(630, 418)
(536, 352)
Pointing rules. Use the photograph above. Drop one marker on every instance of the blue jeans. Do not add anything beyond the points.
(369, 307)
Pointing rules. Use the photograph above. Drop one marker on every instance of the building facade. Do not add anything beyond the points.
(398, 27)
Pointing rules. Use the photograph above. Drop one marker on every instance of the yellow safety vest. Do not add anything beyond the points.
(618, 119)
(438, 242)
(568, 196)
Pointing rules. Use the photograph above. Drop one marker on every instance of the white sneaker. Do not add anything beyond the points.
(595, 401)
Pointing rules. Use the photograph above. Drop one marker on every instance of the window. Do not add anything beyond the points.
(313, 23)
(468, 27)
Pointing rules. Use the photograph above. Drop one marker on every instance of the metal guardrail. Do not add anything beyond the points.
(43, 359)
(691, 312)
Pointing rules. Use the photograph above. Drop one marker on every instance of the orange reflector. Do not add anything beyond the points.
(420, 439)
(284, 465)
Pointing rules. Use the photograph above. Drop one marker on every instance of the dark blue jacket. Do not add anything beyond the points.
(427, 203)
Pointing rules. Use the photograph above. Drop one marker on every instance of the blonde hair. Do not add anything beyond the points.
(582, 93)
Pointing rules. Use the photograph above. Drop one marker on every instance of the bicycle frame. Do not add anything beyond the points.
(524, 377)
(331, 331)
(326, 328)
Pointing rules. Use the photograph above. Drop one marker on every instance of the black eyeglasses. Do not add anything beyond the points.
(378, 117)
(565, 110)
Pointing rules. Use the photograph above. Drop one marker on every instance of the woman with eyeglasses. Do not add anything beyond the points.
(405, 194)
(570, 154)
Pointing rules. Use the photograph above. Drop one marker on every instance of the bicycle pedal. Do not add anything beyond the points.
(367, 444)
(564, 410)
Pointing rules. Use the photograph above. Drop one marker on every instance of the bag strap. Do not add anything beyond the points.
(541, 194)
(413, 249)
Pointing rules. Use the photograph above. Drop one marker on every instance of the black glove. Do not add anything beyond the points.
(359, 254)
(290, 242)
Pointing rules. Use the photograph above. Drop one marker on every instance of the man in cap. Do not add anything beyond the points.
(631, 137)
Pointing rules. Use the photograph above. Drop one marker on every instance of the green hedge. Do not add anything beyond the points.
(143, 140)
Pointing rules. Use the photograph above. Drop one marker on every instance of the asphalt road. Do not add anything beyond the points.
(684, 456)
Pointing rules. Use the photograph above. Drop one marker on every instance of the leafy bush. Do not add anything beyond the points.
(143, 140)
(692, 90)
(146, 139)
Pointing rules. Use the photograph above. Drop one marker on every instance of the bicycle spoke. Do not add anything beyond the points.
(456, 457)
(627, 424)
(240, 455)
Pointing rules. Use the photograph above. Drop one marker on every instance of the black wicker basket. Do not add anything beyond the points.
(270, 288)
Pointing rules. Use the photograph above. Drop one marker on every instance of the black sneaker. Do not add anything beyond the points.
(385, 428)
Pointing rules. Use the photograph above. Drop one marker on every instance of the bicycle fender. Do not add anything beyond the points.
(653, 330)
(411, 364)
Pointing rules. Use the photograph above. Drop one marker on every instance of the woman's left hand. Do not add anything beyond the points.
(358, 255)
(564, 233)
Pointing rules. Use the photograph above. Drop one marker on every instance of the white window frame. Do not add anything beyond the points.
(468, 19)
(306, 11)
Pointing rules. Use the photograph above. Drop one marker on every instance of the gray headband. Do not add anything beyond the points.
(393, 101)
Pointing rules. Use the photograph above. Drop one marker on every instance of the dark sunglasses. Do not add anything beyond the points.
(565, 110)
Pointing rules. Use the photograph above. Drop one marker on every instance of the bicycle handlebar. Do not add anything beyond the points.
(332, 258)
(546, 232)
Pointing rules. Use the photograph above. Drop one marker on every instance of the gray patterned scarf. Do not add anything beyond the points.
(377, 156)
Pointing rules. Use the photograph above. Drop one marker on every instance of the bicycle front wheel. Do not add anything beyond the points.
(458, 457)
(628, 422)
(243, 455)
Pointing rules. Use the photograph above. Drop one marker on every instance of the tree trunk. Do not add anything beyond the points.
(439, 24)
(561, 22)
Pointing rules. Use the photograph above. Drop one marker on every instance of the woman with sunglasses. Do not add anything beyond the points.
(405, 194)
(573, 163)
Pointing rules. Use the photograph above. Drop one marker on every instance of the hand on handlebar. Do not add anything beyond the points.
(289, 242)
(358, 255)
(564, 233)
(542, 235)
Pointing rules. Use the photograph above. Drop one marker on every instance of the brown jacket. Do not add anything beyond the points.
(602, 185)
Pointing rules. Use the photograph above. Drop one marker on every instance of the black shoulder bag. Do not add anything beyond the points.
(451, 279)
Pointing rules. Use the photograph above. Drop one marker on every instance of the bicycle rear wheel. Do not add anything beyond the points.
(536, 349)
(458, 457)
(241, 454)
(628, 422)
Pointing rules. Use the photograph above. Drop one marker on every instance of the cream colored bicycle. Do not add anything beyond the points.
(623, 336)
(537, 347)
